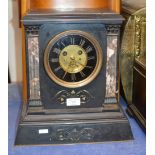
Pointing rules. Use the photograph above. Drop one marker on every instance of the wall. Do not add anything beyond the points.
(15, 47)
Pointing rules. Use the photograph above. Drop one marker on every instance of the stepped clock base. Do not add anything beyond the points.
(77, 132)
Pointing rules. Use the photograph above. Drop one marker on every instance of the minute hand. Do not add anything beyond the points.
(79, 63)
(84, 65)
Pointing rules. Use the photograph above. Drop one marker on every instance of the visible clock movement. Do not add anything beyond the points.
(72, 78)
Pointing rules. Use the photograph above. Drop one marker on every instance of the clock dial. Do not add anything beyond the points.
(73, 58)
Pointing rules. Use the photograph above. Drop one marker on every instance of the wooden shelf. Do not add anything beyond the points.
(26, 5)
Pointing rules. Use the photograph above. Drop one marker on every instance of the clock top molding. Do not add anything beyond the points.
(30, 5)
(78, 15)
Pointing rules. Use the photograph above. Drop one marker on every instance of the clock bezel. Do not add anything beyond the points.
(95, 71)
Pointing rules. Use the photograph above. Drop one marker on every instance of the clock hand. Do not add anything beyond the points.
(84, 65)
(79, 63)
(69, 65)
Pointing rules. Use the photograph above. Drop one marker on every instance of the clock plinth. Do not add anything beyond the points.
(72, 79)
(82, 131)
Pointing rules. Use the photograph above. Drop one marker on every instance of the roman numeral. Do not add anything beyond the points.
(72, 40)
(54, 60)
(91, 58)
(64, 75)
(89, 67)
(82, 42)
(82, 74)
(57, 43)
(73, 77)
(58, 68)
(63, 44)
(89, 49)
(56, 50)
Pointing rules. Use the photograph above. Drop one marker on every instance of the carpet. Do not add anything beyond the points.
(134, 147)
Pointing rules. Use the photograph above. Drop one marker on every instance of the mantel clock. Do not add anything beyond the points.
(72, 77)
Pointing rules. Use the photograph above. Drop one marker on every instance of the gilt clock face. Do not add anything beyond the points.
(73, 58)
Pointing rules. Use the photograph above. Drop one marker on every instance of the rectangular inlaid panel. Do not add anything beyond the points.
(33, 58)
(111, 66)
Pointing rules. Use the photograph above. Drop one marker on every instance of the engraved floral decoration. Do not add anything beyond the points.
(74, 134)
(84, 96)
(111, 66)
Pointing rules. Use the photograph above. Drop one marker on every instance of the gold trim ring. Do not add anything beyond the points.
(94, 73)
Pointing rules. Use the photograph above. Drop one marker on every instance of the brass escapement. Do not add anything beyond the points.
(73, 59)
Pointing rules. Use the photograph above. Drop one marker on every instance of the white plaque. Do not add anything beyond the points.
(43, 131)
(73, 101)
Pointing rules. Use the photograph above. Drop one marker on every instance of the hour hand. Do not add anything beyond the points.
(79, 63)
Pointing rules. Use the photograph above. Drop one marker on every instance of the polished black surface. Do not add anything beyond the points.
(96, 88)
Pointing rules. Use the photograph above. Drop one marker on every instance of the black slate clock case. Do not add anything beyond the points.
(44, 119)
(97, 86)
